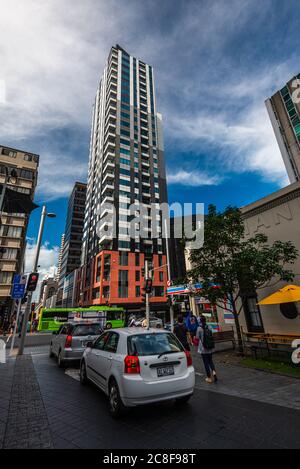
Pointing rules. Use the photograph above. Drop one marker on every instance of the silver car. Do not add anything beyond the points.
(135, 366)
(69, 343)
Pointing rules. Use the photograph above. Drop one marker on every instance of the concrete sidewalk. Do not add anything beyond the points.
(24, 422)
(247, 383)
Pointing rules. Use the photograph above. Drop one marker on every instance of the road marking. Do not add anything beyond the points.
(73, 373)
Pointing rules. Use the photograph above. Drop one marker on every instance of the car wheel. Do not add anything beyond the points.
(108, 326)
(60, 361)
(83, 375)
(116, 406)
(183, 400)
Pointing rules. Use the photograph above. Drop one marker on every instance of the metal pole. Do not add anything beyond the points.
(30, 294)
(15, 328)
(169, 274)
(147, 296)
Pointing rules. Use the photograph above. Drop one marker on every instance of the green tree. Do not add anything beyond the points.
(237, 264)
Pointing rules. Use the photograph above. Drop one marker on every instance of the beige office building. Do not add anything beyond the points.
(277, 216)
(13, 227)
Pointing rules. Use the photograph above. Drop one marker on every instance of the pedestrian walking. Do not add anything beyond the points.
(182, 333)
(192, 325)
(206, 349)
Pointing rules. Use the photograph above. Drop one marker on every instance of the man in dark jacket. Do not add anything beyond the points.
(182, 333)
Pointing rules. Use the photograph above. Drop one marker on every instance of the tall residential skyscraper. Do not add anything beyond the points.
(284, 112)
(61, 249)
(13, 226)
(71, 250)
(126, 166)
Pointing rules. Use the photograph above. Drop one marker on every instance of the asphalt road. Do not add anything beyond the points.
(78, 418)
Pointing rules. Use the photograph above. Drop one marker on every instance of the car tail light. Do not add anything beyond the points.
(68, 343)
(189, 358)
(132, 365)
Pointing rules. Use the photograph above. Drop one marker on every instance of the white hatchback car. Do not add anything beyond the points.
(136, 366)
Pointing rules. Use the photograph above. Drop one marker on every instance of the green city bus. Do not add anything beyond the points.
(51, 319)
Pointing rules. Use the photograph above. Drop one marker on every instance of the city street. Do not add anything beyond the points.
(42, 406)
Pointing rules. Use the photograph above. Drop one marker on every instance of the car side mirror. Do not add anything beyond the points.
(90, 344)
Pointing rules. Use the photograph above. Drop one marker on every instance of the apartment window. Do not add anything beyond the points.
(125, 152)
(123, 258)
(28, 157)
(123, 284)
(126, 172)
(159, 291)
(96, 293)
(137, 276)
(125, 115)
(125, 142)
(123, 182)
(125, 124)
(10, 153)
(252, 314)
(5, 278)
(123, 161)
(124, 245)
(106, 293)
(124, 106)
(11, 231)
(9, 254)
(161, 276)
(137, 291)
(26, 174)
(137, 260)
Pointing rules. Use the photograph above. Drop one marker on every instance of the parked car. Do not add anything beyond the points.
(70, 341)
(134, 366)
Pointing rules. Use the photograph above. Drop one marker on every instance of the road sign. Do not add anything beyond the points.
(22, 279)
(18, 291)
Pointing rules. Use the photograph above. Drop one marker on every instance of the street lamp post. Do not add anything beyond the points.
(35, 267)
(169, 275)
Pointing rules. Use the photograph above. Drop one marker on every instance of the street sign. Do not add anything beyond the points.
(18, 291)
(22, 279)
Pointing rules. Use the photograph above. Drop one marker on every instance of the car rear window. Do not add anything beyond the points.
(153, 344)
(87, 329)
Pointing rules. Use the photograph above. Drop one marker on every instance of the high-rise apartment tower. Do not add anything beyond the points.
(126, 166)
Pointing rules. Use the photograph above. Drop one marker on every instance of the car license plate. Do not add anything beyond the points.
(165, 371)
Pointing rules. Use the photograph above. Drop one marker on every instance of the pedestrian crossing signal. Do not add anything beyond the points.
(32, 282)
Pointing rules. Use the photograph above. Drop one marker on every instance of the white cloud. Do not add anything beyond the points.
(48, 261)
(242, 138)
(52, 54)
(192, 178)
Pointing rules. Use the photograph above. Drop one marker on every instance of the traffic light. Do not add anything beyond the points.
(32, 281)
(143, 295)
(148, 286)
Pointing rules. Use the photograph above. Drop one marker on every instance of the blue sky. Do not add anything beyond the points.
(215, 63)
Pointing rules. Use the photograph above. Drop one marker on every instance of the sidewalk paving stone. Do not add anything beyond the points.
(27, 424)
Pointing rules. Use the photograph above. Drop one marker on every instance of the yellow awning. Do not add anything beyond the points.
(289, 294)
